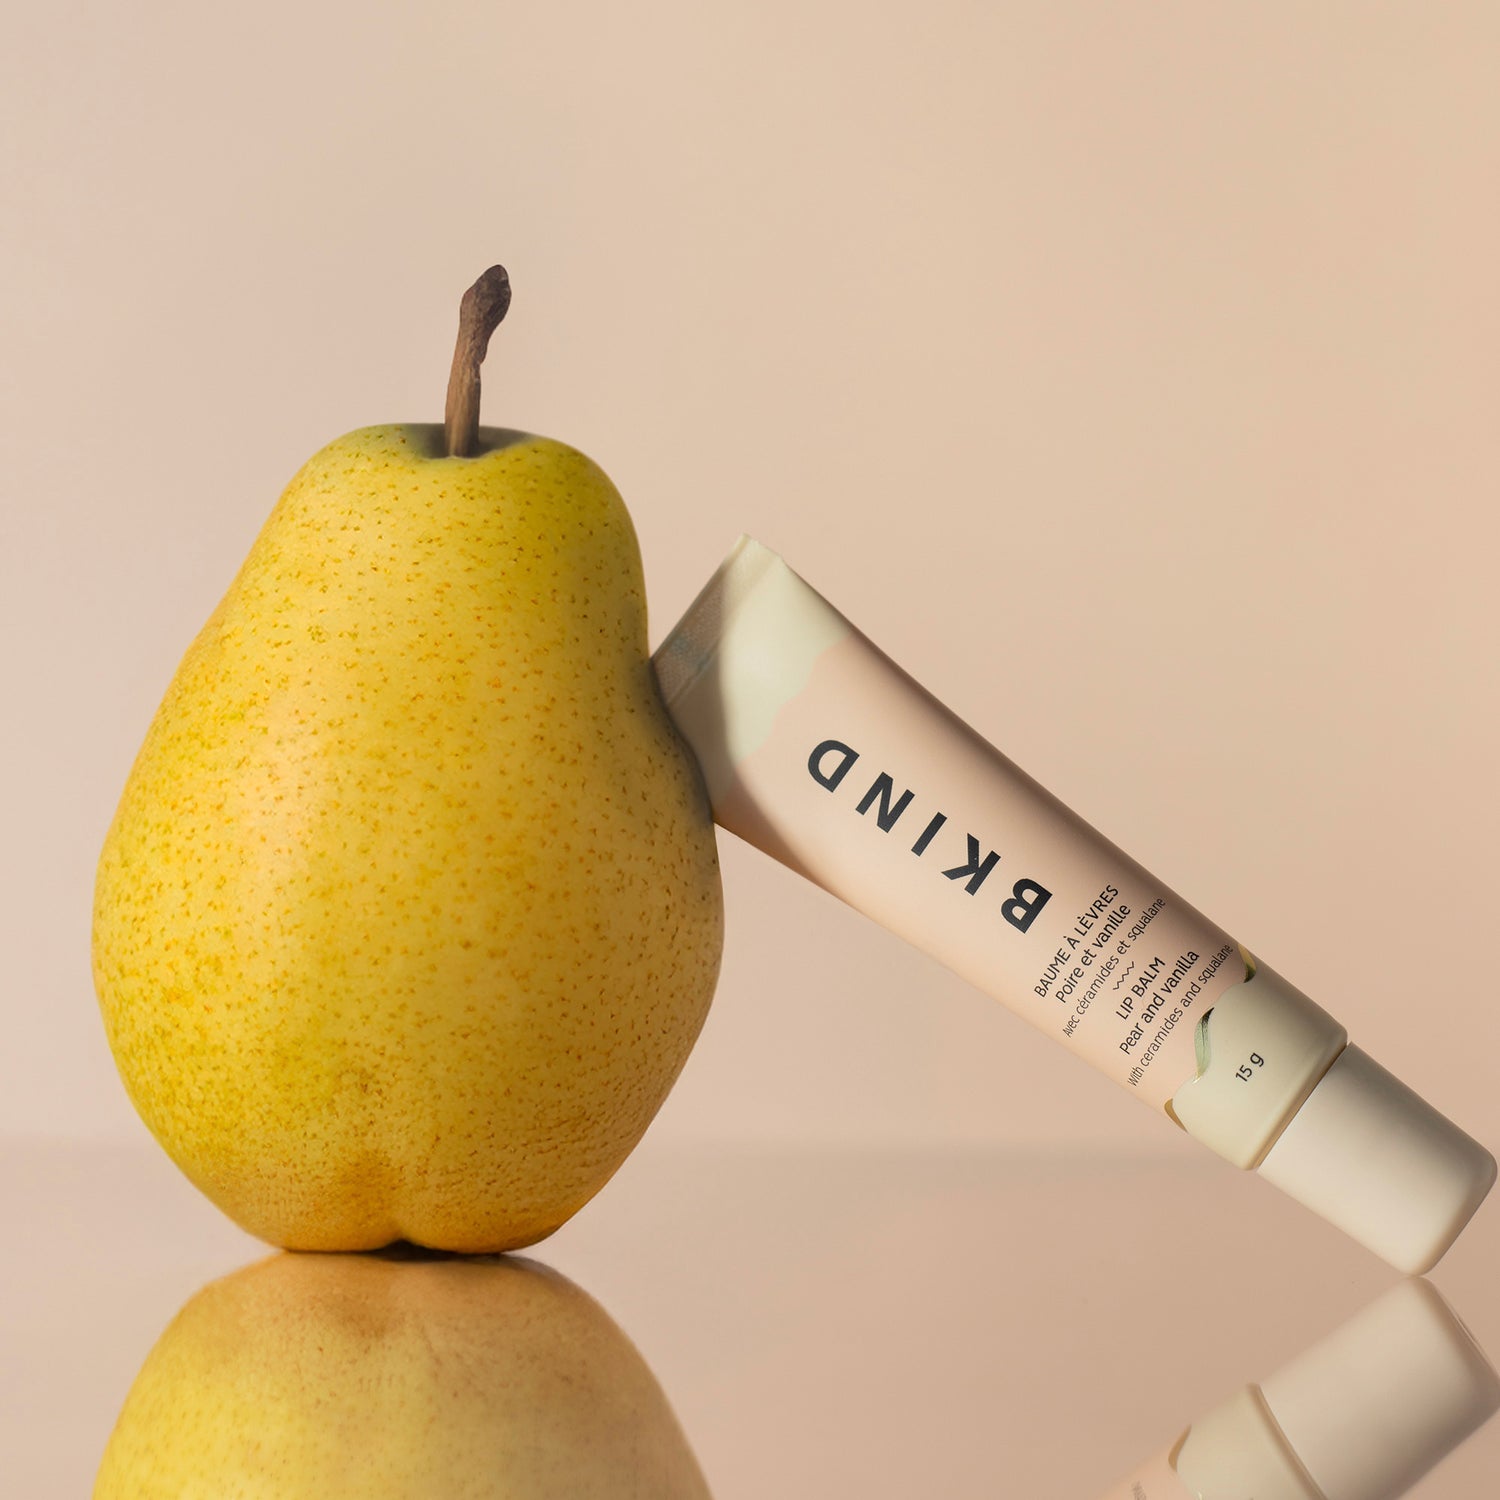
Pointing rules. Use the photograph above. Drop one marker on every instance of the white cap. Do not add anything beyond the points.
(1371, 1408)
(1376, 1159)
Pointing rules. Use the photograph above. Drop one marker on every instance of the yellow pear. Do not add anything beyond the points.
(338, 1375)
(410, 913)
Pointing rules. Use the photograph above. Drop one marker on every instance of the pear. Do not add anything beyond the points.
(410, 912)
(341, 1375)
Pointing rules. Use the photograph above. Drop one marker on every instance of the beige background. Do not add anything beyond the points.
(1050, 340)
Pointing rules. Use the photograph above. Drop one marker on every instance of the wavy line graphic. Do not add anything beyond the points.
(1121, 980)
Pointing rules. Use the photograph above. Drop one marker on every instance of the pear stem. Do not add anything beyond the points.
(479, 315)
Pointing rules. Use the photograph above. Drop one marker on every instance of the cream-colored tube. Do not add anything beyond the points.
(818, 749)
(1362, 1415)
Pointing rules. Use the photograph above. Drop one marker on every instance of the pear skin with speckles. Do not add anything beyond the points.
(344, 1377)
(410, 913)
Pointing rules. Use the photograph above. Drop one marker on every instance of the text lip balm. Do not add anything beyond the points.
(818, 749)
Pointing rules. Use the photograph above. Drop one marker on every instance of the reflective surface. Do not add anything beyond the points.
(732, 1322)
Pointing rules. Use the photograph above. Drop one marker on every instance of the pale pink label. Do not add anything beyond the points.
(874, 790)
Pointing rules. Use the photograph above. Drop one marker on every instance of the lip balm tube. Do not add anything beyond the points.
(1364, 1414)
(821, 751)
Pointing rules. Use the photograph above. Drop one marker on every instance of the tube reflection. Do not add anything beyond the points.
(1361, 1415)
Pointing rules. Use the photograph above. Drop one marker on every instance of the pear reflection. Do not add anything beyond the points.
(401, 1374)
(1362, 1415)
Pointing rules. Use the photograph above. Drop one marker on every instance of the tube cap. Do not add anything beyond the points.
(1371, 1408)
(1376, 1159)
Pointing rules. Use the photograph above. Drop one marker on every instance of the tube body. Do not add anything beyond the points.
(818, 749)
